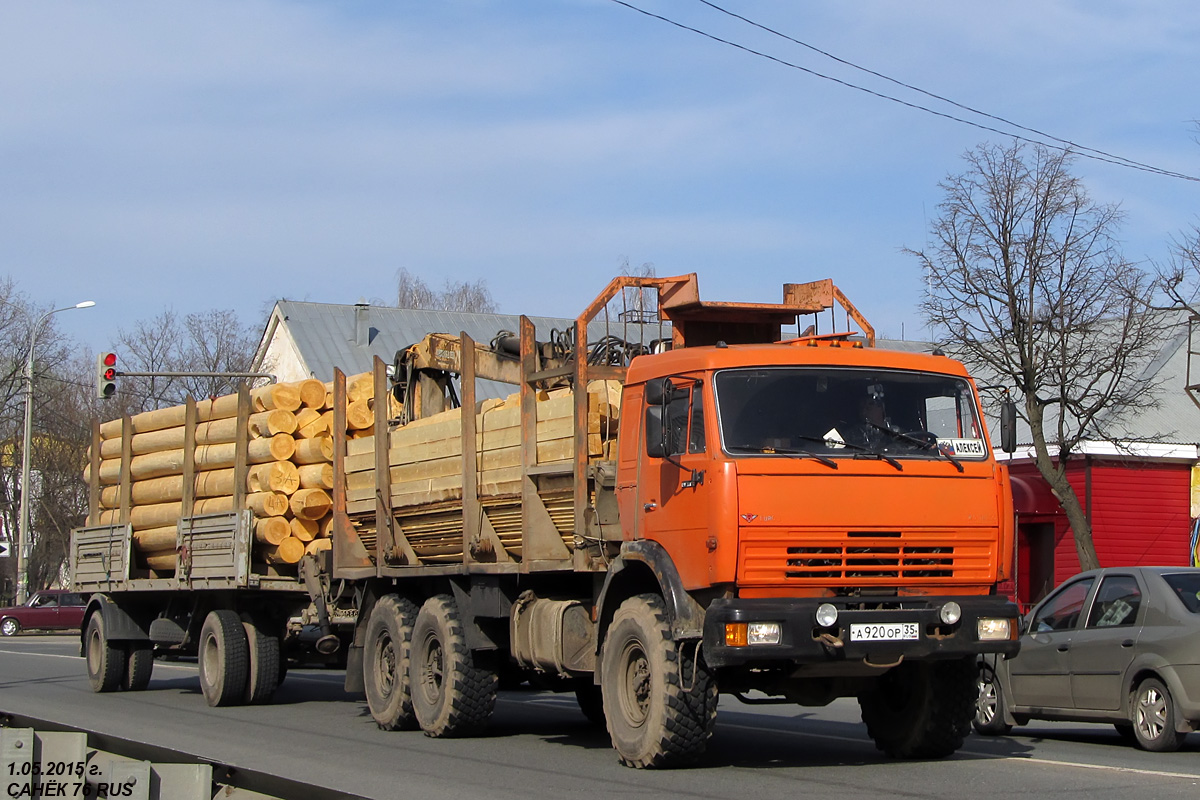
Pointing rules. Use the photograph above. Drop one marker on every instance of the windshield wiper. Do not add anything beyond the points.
(924, 444)
(858, 448)
(783, 451)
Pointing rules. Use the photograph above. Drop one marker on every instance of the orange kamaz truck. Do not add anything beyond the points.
(647, 521)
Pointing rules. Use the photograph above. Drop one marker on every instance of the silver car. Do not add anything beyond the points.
(1118, 645)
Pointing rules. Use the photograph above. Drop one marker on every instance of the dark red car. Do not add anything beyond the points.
(47, 610)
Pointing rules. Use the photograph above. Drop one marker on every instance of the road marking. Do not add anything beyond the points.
(1134, 770)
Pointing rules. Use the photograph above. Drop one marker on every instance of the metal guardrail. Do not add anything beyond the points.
(44, 759)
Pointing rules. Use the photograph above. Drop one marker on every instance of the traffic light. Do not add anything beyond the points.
(106, 375)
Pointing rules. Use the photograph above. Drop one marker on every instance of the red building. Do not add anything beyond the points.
(1139, 508)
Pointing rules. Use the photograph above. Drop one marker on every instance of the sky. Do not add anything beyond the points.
(193, 156)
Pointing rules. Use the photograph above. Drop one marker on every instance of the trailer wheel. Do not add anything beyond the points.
(387, 663)
(105, 661)
(921, 709)
(223, 657)
(451, 694)
(139, 664)
(263, 673)
(989, 705)
(660, 700)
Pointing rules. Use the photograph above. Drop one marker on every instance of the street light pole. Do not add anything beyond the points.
(26, 448)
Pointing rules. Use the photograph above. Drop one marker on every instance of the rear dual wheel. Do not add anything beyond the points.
(238, 660)
(452, 693)
(921, 709)
(115, 665)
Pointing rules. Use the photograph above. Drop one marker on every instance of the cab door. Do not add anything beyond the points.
(674, 492)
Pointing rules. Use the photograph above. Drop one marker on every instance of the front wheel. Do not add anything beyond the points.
(659, 699)
(989, 705)
(1153, 716)
(10, 627)
(921, 709)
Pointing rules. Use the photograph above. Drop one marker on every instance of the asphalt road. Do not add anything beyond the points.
(540, 746)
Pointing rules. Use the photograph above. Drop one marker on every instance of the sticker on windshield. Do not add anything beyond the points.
(962, 447)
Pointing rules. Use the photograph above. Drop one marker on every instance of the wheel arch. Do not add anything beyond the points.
(645, 567)
(119, 625)
(1169, 678)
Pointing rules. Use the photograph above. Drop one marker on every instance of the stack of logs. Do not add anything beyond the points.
(289, 479)
(426, 470)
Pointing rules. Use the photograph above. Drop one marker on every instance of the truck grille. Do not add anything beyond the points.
(863, 558)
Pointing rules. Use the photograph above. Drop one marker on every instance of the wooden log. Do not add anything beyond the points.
(271, 530)
(267, 504)
(321, 426)
(269, 423)
(327, 525)
(163, 538)
(214, 505)
(311, 503)
(312, 394)
(289, 551)
(210, 483)
(313, 451)
(316, 476)
(360, 387)
(173, 417)
(359, 415)
(305, 529)
(161, 561)
(276, 476)
(207, 457)
(318, 546)
(285, 396)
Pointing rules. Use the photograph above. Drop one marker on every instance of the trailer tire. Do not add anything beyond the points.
(224, 657)
(105, 661)
(387, 671)
(921, 709)
(263, 670)
(660, 700)
(451, 695)
(139, 665)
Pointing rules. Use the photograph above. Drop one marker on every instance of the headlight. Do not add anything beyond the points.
(951, 613)
(827, 614)
(994, 630)
(764, 633)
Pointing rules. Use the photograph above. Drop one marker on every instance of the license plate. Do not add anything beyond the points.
(884, 632)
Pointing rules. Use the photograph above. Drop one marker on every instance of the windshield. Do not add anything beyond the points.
(848, 413)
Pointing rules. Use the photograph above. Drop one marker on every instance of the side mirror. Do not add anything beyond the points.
(658, 392)
(1008, 426)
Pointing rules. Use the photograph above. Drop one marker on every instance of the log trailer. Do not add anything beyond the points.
(719, 511)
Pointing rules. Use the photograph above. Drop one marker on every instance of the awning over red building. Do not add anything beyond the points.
(1031, 495)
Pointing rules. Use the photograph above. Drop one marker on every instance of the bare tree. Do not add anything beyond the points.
(56, 443)
(212, 341)
(473, 296)
(1026, 284)
(1179, 277)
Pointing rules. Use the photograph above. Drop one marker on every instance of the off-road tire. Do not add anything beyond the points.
(139, 665)
(921, 709)
(660, 700)
(387, 670)
(1152, 711)
(10, 627)
(262, 678)
(452, 695)
(989, 705)
(105, 661)
(224, 659)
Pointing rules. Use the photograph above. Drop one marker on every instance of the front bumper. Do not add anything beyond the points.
(804, 642)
